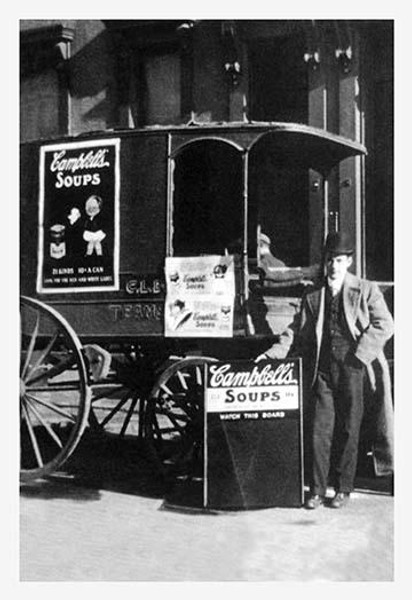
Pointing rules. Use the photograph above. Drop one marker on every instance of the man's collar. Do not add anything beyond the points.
(334, 286)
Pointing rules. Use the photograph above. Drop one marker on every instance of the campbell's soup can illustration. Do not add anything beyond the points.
(57, 241)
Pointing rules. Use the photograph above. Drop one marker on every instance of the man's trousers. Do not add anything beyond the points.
(337, 416)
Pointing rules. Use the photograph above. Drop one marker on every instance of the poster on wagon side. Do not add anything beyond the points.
(200, 296)
(79, 217)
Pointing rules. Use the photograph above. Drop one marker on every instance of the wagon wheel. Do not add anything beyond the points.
(54, 393)
(174, 417)
(118, 403)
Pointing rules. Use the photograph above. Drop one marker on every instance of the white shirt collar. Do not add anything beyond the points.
(335, 285)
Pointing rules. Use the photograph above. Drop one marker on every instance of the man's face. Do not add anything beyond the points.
(336, 266)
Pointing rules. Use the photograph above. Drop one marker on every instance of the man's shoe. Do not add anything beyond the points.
(314, 501)
(340, 499)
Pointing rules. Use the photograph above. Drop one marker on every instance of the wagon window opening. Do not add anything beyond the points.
(278, 206)
(208, 199)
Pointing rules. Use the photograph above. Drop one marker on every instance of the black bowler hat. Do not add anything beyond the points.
(338, 243)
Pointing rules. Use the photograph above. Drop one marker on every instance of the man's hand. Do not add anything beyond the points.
(261, 357)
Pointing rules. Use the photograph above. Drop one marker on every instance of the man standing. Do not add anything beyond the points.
(342, 329)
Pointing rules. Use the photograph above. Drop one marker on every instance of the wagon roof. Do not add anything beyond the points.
(312, 147)
(307, 146)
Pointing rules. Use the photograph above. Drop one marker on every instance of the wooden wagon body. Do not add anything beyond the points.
(140, 262)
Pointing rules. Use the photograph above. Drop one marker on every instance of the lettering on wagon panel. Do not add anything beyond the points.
(144, 286)
(138, 312)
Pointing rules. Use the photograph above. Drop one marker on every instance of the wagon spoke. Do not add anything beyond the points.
(173, 419)
(173, 397)
(31, 346)
(115, 410)
(165, 429)
(129, 415)
(182, 380)
(166, 389)
(62, 386)
(182, 417)
(105, 394)
(183, 403)
(45, 353)
(158, 430)
(45, 424)
(54, 370)
(52, 407)
(199, 378)
(32, 435)
(175, 411)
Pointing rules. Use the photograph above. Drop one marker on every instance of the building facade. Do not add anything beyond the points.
(80, 76)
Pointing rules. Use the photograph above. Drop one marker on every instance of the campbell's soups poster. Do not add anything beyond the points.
(247, 390)
(79, 217)
(200, 296)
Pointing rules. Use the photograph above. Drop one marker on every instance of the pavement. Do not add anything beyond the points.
(99, 522)
(120, 537)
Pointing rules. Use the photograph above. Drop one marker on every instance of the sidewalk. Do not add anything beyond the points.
(121, 537)
(110, 526)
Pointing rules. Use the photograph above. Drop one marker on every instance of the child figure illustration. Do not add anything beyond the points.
(93, 233)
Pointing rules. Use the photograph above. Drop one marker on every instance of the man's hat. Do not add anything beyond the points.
(264, 238)
(338, 243)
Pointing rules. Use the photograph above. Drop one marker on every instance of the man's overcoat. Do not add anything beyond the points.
(371, 325)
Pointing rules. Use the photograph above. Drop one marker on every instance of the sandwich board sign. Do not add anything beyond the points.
(253, 453)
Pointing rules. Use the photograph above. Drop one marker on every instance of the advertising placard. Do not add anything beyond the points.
(253, 434)
(200, 294)
(79, 217)
(265, 389)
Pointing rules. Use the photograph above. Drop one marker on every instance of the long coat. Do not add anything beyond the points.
(371, 326)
